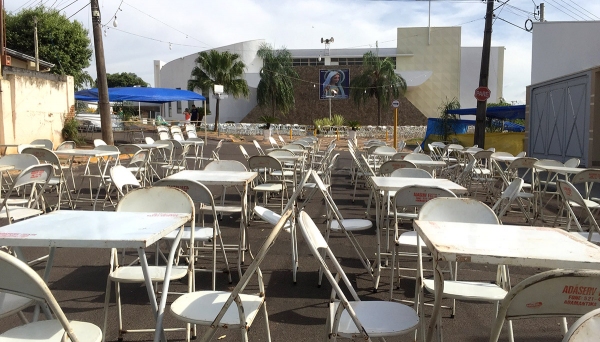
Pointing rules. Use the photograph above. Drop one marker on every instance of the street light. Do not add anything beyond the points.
(327, 42)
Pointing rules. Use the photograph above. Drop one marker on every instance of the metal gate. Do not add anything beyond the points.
(560, 118)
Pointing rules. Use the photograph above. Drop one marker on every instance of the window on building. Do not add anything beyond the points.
(179, 110)
(169, 111)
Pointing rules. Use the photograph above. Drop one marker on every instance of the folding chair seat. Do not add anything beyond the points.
(406, 203)
(548, 288)
(571, 198)
(122, 180)
(37, 178)
(20, 280)
(152, 200)
(354, 318)
(588, 177)
(464, 210)
(585, 329)
(203, 234)
(58, 179)
(99, 142)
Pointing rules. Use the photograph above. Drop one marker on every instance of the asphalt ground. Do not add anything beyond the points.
(297, 311)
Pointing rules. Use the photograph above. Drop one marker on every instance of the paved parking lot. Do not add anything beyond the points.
(297, 311)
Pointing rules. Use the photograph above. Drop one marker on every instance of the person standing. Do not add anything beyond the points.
(187, 115)
(194, 114)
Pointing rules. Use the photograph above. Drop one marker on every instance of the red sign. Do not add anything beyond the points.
(482, 93)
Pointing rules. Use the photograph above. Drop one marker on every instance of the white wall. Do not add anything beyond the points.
(176, 73)
(470, 66)
(34, 106)
(562, 48)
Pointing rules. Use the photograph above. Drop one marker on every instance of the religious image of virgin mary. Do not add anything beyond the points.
(332, 87)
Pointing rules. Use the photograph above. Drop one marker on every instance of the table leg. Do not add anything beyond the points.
(436, 319)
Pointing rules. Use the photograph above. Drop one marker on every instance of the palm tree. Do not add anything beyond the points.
(379, 80)
(221, 68)
(275, 88)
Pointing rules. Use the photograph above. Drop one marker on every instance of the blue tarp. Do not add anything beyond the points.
(501, 113)
(435, 126)
(140, 94)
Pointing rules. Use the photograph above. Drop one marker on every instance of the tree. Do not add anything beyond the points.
(222, 68)
(379, 80)
(276, 89)
(61, 42)
(125, 79)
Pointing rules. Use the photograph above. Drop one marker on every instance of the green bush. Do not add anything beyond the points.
(70, 131)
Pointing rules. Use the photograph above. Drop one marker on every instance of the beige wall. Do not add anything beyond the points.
(441, 55)
(34, 106)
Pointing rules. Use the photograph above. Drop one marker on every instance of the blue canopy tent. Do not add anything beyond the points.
(140, 94)
(500, 113)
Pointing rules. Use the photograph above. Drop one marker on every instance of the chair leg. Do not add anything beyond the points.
(106, 301)
(264, 305)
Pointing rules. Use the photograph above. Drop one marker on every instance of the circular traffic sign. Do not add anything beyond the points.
(395, 103)
(482, 93)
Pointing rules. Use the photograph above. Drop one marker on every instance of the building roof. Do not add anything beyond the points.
(25, 57)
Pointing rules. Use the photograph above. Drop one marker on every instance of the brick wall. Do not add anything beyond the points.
(309, 107)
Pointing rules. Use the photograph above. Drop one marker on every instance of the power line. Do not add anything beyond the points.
(62, 9)
(577, 9)
(585, 9)
(558, 7)
(86, 5)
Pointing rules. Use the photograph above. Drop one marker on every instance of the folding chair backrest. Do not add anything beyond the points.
(215, 152)
(99, 142)
(417, 156)
(417, 195)
(197, 191)
(38, 174)
(412, 173)
(191, 133)
(258, 148)
(264, 162)
(281, 153)
(548, 294)
(573, 162)
(46, 142)
(107, 148)
(244, 152)
(391, 165)
(465, 210)
(66, 145)
(19, 279)
(140, 158)
(569, 193)
(225, 165)
(122, 177)
(19, 161)
(178, 136)
(418, 149)
(157, 199)
(164, 135)
(587, 176)
(149, 140)
(43, 155)
(384, 149)
(293, 146)
(501, 154)
(129, 149)
(585, 329)
(274, 143)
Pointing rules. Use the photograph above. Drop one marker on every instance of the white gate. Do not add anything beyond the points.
(559, 119)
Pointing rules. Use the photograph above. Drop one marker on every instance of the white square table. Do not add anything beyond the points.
(502, 245)
(393, 184)
(99, 229)
(225, 178)
(88, 172)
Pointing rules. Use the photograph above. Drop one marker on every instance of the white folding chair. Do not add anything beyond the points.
(152, 200)
(204, 233)
(543, 295)
(99, 142)
(231, 310)
(258, 148)
(68, 163)
(20, 280)
(226, 165)
(19, 162)
(508, 197)
(406, 203)
(388, 167)
(122, 180)
(58, 180)
(37, 177)
(354, 318)
(571, 198)
(464, 210)
(585, 329)
(47, 143)
(270, 184)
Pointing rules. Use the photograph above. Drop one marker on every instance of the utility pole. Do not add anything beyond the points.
(479, 137)
(103, 103)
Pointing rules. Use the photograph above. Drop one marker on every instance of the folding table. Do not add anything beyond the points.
(99, 229)
(393, 184)
(198, 150)
(225, 178)
(88, 172)
(151, 148)
(501, 245)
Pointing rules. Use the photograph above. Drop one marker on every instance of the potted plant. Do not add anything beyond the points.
(354, 125)
(267, 120)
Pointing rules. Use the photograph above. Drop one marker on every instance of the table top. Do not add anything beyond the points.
(559, 169)
(294, 150)
(149, 146)
(395, 183)
(436, 163)
(508, 245)
(216, 177)
(191, 142)
(91, 229)
(86, 153)
(505, 159)
(6, 168)
(384, 153)
(287, 158)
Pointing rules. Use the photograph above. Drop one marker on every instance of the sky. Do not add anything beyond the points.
(149, 30)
